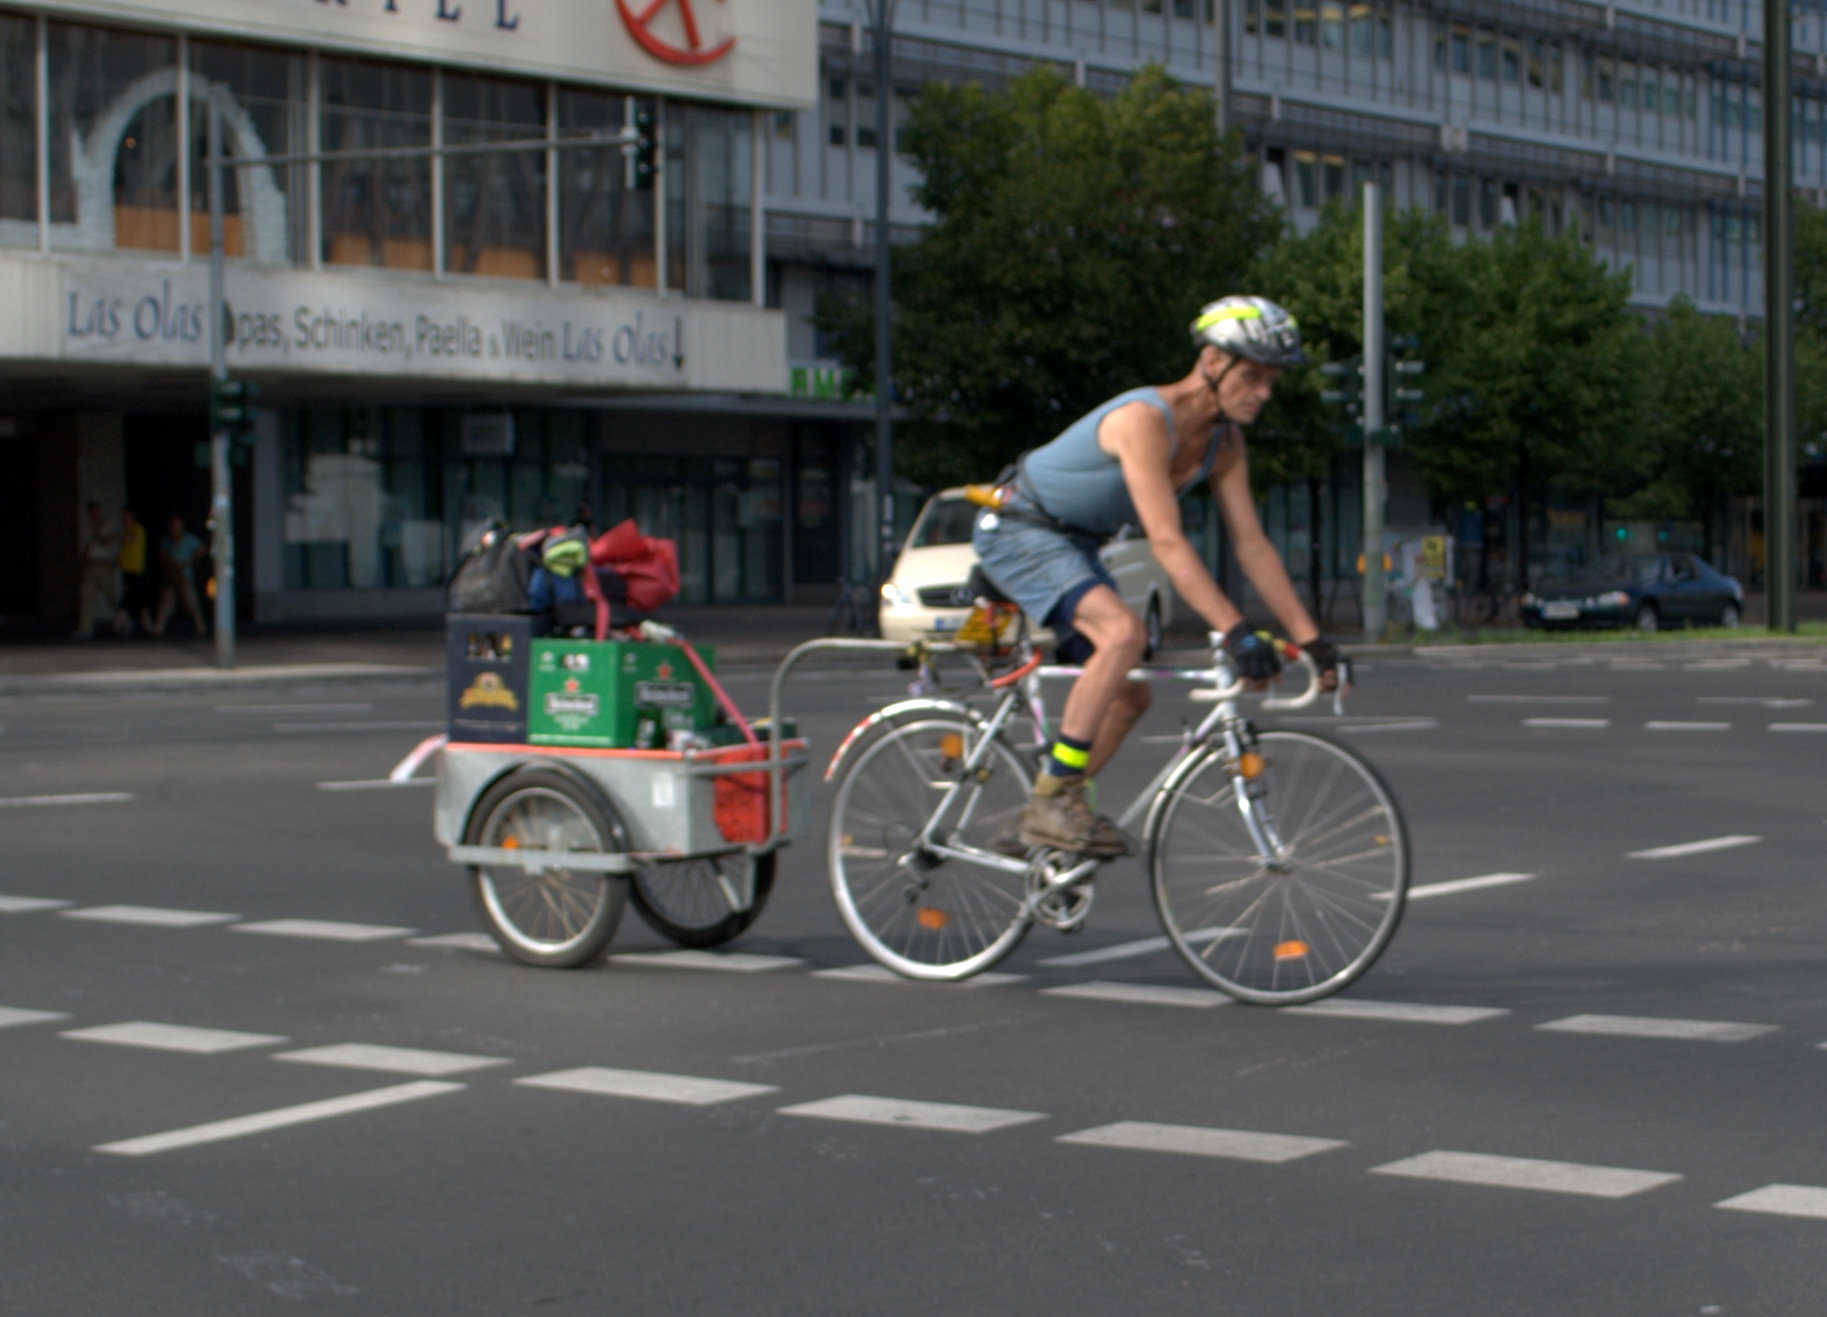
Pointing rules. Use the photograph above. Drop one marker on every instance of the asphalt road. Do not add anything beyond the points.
(1589, 1084)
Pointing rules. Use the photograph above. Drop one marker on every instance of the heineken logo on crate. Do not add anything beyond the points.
(665, 694)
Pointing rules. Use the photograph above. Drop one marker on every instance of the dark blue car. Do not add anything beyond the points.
(1646, 590)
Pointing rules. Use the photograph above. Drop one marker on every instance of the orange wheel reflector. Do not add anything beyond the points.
(1291, 950)
(1382, 840)
(1250, 765)
(951, 745)
(933, 919)
(510, 843)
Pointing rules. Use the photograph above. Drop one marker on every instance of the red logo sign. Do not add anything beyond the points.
(640, 27)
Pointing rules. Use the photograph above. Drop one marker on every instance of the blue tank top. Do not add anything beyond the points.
(1074, 481)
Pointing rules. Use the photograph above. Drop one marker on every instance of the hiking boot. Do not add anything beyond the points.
(1006, 840)
(1059, 816)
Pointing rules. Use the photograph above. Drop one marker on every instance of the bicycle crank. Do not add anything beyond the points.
(1059, 894)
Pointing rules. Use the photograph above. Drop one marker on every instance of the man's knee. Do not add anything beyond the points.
(1136, 697)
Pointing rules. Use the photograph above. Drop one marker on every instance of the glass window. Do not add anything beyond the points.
(1363, 31)
(1306, 178)
(1652, 93)
(1440, 52)
(494, 204)
(1554, 70)
(18, 132)
(1627, 217)
(1252, 16)
(837, 111)
(1462, 201)
(1462, 49)
(1306, 26)
(707, 202)
(865, 115)
(605, 230)
(1275, 18)
(1335, 176)
(1537, 65)
(1332, 25)
(1671, 220)
(114, 140)
(1512, 60)
(363, 499)
(1487, 56)
(376, 212)
(1487, 203)
(261, 96)
(1386, 39)
(1607, 86)
(1627, 87)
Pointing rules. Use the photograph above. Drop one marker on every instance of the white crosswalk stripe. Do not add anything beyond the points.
(1196, 1141)
(1405, 1012)
(1591, 723)
(457, 942)
(1693, 848)
(21, 905)
(1147, 946)
(265, 1121)
(1455, 885)
(873, 973)
(149, 916)
(391, 1060)
(1526, 1173)
(728, 962)
(12, 1017)
(863, 1110)
(1781, 1200)
(1631, 1026)
(1143, 994)
(325, 930)
(647, 1086)
(173, 1037)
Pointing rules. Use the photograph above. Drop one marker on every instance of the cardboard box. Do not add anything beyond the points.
(616, 694)
(487, 662)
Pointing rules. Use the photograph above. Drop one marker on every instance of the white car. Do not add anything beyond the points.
(927, 598)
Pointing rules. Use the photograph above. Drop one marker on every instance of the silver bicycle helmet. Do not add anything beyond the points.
(1252, 327)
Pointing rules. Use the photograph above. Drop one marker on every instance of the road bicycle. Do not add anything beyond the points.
(1277, 859)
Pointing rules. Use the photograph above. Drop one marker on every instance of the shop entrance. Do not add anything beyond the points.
(165, 480)
(724, 514)
(19, 530)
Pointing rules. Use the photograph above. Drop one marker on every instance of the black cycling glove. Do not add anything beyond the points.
(1324, 653)
(1251, 653)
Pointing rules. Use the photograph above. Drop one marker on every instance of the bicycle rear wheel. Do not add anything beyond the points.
(920, 914)
(1303, 924)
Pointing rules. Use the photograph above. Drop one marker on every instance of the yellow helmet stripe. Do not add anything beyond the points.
(1224, 313)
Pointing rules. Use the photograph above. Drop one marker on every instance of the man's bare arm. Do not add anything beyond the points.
(1136, 435)
(1255, 554)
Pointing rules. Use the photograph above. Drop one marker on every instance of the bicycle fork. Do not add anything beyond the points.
(1247, 777)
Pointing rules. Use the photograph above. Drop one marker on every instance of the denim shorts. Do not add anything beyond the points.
(1044, 570)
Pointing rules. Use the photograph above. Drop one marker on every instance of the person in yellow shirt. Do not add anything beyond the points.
(135, 599)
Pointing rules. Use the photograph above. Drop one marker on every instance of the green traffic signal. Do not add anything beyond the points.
(231, 407)
(644, 163)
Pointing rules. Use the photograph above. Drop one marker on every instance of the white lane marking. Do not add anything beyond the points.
(873, 973)
(391, 1060)
(457, 941)
(1426, 890)
(1624, 665)
(1145, 947)
(1141, 994)
(173, 1037)
(1693, 848)
(1718, 665)
(261, 1122)
(323, 929)
(1415, 725)
(84, 798)
(1765, 701)
(377, 784)
(1798, 727)
(647, 1086)
(150, 916)
(1566, 722)
(19, 905)
(913, 1115)
(274, 710)
(1405, 1012)
(1666, 725)
(1633, 1026)
(1539, 699)
(1526, 1173)
(13, 1016)
(731, 963)
(1781, 1200)
(414, 725)
(1196, 1141)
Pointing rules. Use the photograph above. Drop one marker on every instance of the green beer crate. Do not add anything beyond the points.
(619, 694)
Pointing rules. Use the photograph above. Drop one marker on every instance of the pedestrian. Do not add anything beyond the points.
(134, 600)
(178, 555)
(99, 588)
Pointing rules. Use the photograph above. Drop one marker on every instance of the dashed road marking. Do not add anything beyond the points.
(1404, 1012)
(1538, 699)
(19, 905)
(647, 1086)
(1526, 1173)
(1765, 701)
(1412, 725)
(1670, 725)
(1781, 1200)
(262, 1122)
(275, 710)
(325, 930)
(1693, 848)
(13, 1016)
(1196, 1141)
(378, 784)
(729, 963)
(1634, 1026)
(1798, 727)
(946, 1116)
(149, 916)
(173, 1037)
(1126, 950)
(364, 726)
(391, 1060)
(1141, 994)
(1484, 880)
(873, 973)
(83, 798)
(1567, 722)
(457, 942)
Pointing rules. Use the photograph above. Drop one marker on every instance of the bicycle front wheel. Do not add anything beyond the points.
(922, 914)
(1284, 887)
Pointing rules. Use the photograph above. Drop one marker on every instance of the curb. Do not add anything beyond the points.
(185, 679)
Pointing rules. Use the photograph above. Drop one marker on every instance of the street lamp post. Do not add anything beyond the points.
(1779, 327)
(222, 502)
(881, 25)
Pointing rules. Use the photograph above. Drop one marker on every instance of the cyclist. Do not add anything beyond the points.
(1128, 461)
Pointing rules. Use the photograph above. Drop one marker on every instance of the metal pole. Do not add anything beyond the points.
(1779, 326)
(1376, 581)
(222, 501)
(882, 14)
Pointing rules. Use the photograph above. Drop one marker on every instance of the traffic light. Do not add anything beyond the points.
(1347, 394)
(643, 161)
(1399, 390)
(231, 412)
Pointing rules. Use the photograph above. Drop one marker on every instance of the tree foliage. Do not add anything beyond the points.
(1074, 239)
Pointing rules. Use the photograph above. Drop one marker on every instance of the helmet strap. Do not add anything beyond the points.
(1213, 382)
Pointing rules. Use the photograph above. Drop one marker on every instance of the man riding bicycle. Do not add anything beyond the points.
(1125, 462)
